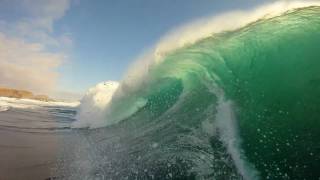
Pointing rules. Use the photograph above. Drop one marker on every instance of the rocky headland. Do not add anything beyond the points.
(22, 94)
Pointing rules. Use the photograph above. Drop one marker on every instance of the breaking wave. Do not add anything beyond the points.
(236, 99)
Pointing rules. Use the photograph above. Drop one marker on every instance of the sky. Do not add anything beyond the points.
(64, 47)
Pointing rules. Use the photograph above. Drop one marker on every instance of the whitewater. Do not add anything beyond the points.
(234, 96)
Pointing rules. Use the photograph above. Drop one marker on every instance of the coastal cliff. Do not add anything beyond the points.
(22, 94)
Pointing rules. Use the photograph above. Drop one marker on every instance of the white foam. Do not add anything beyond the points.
(4, 108)
(226, 125)
(91, 112)
(6, 103)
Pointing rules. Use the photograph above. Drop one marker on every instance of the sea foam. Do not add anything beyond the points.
(7, 103)
(3, 108)
(93, 106)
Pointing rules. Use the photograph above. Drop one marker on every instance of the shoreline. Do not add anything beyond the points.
(23, 94)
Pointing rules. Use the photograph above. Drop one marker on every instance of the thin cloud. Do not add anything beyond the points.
(36, 23)
(26, 42)
(45, 12)
(27, 65)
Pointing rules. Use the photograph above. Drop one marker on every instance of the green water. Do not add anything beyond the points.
(269, 70)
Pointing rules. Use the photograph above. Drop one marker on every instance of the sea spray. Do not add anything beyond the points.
(91, 112)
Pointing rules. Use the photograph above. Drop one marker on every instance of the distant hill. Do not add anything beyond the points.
(22, 94)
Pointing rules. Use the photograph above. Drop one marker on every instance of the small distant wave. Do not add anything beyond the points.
(4, 108)
(6, 103)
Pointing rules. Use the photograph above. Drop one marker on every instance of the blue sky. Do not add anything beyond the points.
(94, 40)
(108, 35)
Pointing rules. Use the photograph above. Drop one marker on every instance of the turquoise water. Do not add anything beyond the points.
(242, 104)
(269, 69)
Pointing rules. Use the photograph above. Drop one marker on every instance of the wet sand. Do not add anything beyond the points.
(26, 155)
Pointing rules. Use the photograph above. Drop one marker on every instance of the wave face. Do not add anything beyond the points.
(238, 104)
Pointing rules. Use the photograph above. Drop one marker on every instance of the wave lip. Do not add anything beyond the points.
(206, 27)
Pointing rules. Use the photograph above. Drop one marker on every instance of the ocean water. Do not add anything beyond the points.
(242, 103)
(31, 133)
(239, 103)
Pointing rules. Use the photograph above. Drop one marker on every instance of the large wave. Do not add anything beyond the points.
(251, 83)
